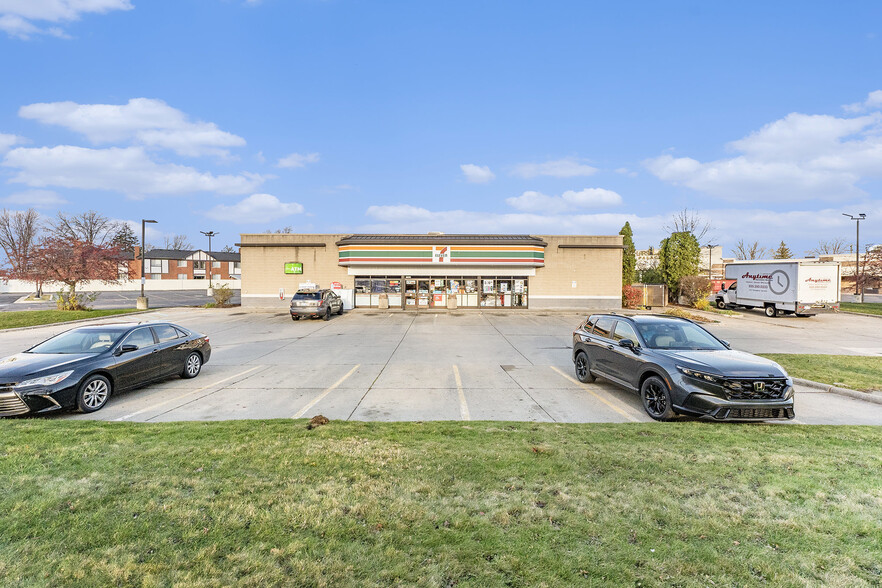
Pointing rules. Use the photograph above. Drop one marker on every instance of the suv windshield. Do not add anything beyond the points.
(308, 296)
(91, 341)
(678, 335)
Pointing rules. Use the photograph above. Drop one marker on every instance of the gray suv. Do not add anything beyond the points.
(678, 367)
(315, 303)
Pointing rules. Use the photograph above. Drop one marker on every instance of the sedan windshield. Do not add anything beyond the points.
(678, 335)
(78, 341)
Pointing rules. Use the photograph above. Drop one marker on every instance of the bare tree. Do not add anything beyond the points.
(18, 238)
(831, 247)
(228, 249)
(283, 230)
(689, 221)
(753, 250)
(178, 243)
(89, 227)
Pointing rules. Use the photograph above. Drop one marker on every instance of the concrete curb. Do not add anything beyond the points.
(878, 316)
(866, 396)
(85, 320)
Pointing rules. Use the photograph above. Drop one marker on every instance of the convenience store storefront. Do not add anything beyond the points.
(417, 272)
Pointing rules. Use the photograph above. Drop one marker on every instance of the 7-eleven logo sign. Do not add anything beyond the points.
(441, 254)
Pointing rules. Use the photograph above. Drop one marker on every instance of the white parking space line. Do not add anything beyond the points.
(318, 398)
(463, 406)
(596, 395)
(182, 396)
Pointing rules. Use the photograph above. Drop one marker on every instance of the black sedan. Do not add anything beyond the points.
(82, 367)
(678, 367)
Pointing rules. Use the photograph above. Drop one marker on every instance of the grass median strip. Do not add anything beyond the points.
(866, 307)
(268, 503)
(33, 318)
(848, 371)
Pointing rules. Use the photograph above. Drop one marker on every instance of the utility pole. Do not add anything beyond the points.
(209, 234)
(142, 301)
(857, 253)
(710, 261)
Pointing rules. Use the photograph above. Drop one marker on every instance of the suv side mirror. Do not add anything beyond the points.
(628, 343)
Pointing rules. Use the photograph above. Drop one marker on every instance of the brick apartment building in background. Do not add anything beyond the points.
(175, 264)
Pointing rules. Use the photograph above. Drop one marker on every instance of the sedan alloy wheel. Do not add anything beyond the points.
(93, 394)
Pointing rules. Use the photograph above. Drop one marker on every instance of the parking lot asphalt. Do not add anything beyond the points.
(395, 366)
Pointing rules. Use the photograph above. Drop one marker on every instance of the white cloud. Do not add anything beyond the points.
(127, 170)
(570, 200)
(765, 225)
(144, 121)
(298, 160)
(569, 167)
(795, 158)
(477, 174)
(7, 141)
(16, 16)
(35, 199)
(873, 102)
(257, 208)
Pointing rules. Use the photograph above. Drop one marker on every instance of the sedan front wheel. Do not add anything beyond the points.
(93, 394)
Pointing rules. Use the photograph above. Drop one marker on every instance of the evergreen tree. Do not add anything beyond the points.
(125, 239)
(678, 256)
(629, 256)
(783, 252)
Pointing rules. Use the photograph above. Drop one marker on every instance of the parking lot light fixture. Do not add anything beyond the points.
(143, 257)
(857, 252)
(209, 234)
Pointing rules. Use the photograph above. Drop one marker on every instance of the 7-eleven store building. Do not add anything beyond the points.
(417, 272)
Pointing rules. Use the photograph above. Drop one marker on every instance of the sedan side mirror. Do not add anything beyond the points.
(726, 343)
(126, 349)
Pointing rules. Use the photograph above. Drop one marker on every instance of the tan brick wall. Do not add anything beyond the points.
(263, 268)
(596, 271)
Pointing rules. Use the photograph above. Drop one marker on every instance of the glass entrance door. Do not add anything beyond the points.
(423, 293)
(410, 294)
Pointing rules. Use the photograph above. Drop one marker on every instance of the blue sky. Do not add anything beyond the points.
(500, 117)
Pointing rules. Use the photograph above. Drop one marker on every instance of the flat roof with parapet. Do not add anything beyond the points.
(444, 239)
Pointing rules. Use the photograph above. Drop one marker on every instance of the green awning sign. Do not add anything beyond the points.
(293, 267)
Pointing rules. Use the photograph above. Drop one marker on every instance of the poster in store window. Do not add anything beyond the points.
(519, 287)
(488, 286)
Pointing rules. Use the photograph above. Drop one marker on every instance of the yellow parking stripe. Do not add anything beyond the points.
(463, 406)
(318, 398)
(596, 395)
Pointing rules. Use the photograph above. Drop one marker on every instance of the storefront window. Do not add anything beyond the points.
(433, 292)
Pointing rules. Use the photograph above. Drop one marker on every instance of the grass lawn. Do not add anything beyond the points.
(866, 307)
(851, 371)
(31, 318)
(268, 503)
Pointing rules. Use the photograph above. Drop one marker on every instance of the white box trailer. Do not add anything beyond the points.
(799, 286)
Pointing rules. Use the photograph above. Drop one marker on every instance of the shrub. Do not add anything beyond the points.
(702, 304)
(222, 295)
(632, 296)
(695, 288)
(72, 300)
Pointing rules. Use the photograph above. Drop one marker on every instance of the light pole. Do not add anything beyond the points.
(710, 261)
(209, 234)
(857, 252)
(142, 301)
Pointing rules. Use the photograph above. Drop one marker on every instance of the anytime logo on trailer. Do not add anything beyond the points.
(441, 254)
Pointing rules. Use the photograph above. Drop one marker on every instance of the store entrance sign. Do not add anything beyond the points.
(293, 267)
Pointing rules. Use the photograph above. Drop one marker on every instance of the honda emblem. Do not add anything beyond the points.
(759, 386)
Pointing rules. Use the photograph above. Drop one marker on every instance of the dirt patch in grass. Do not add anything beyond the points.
(268, 503)
(682, 313)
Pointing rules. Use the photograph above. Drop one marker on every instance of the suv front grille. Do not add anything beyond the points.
(756, 389)
(754, 413)
(11, 404)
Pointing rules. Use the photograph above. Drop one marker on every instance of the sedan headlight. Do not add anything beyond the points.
(45, 380)
(700, 375)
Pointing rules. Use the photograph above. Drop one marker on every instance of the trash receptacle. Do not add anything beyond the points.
(384, 301)
(451, 302)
